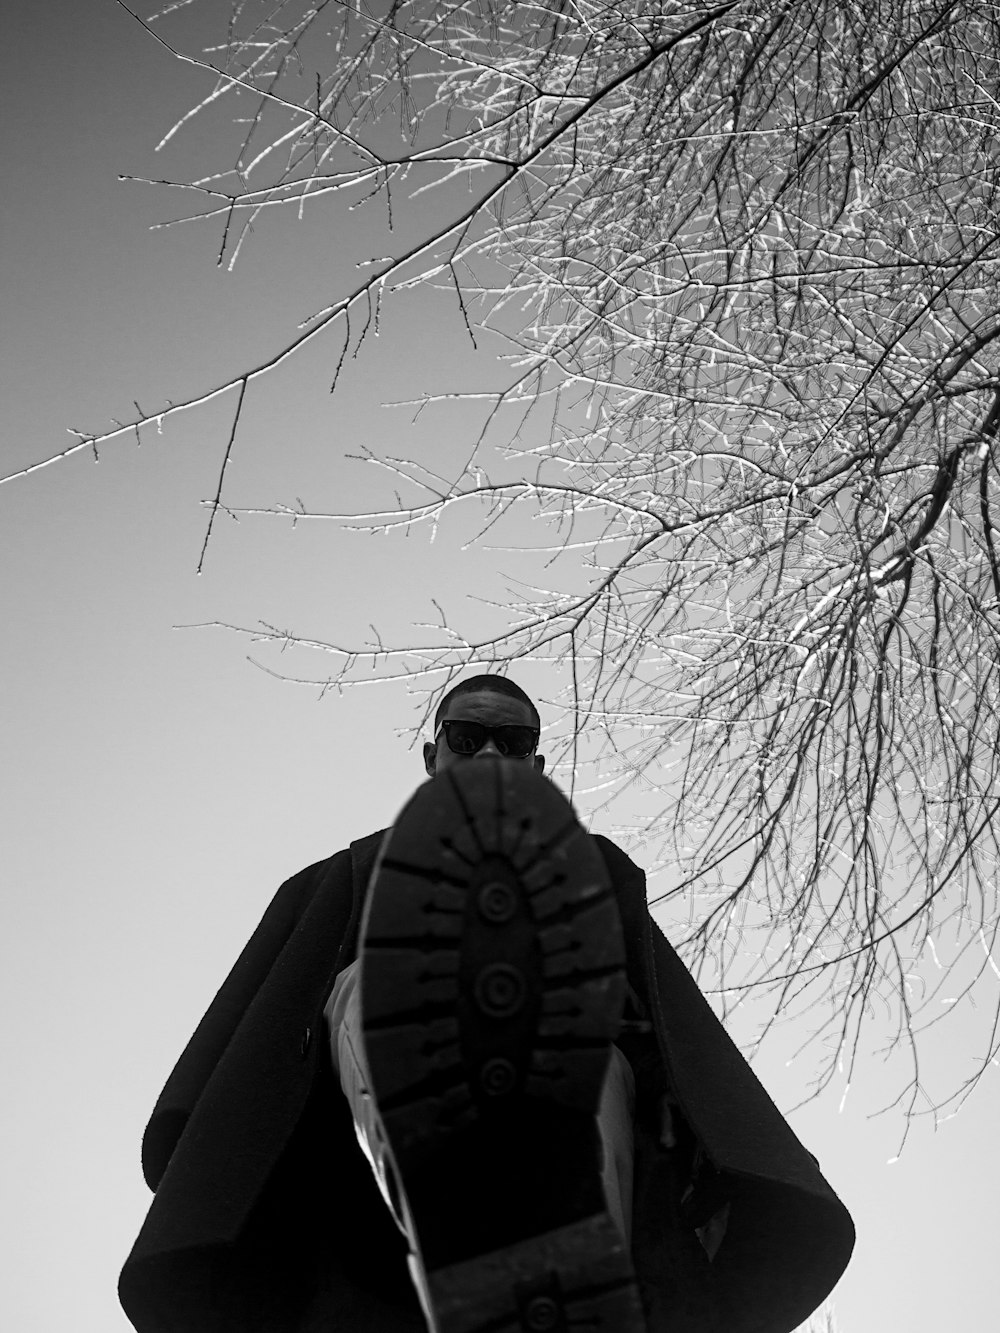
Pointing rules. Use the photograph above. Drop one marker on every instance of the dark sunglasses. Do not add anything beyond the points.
(512, 741)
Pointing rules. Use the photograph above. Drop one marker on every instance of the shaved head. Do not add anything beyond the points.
(477, 684)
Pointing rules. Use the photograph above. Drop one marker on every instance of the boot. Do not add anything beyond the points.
(492, 984)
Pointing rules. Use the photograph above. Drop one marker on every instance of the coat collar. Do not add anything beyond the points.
(364, 852)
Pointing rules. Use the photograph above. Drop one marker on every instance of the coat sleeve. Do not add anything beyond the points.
(213, 1034)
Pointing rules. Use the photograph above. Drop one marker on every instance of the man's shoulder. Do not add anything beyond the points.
(619, 863)
(348, 860)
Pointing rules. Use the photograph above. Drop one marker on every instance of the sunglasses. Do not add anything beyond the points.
(512, 741)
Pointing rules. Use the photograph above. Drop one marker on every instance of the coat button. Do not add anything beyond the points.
(305, 1043)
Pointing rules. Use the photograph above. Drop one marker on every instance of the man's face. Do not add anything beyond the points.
(492, 710)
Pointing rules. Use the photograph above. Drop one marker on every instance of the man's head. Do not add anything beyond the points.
(492, 703)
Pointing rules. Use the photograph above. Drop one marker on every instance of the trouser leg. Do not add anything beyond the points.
(615, 1119)
(343, 1018)
(347, 1053)
(614, 1115)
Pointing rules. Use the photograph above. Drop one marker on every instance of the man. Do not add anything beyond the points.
(447, 1133)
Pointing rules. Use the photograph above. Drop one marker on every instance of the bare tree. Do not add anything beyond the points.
(740, 264)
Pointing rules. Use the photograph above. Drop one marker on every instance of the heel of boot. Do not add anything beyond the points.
(579, 1276)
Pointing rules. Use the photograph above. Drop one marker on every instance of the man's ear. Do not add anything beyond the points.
(539, 764)
(430, 757)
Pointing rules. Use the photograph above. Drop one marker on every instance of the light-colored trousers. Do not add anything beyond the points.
(614, 1114)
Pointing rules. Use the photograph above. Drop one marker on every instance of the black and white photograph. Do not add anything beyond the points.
(500, 519)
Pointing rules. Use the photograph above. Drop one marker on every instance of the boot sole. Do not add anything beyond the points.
(492, 986)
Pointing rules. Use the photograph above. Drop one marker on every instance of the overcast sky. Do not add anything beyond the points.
(157, 786)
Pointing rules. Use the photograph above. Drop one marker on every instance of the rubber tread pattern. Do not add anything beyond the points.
(433, 1051)
(474, 825)
(580, 1276)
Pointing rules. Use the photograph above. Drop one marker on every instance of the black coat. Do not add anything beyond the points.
(266, 1218)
